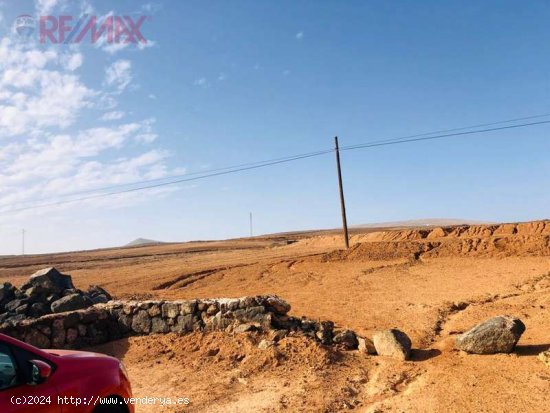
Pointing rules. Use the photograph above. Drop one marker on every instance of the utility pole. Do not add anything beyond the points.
(341, 187)
(251, 232)
(22, 242)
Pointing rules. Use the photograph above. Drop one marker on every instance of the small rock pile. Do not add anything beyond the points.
(47, 291)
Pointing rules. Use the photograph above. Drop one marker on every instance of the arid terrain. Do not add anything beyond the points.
(432, 283)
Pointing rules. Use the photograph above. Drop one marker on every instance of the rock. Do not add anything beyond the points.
(265, 344)
(58, 333)
(188, 307)
(22, 309)
(278, 305)
(71, 320)
(365, 345)
(12, 305)
(70, 303)
(170, 310)
(96, 290)
(15, 319)
(243, 328)
(393, 343)
(154, 310)
(7, 293)
(347, 339)
(141, 322)
(545, 357)
(37, 339)
(72, 335)
(495, 335)
(158, 325)
(99, 299)
(323, 331)
(51, 280)
(212, 309)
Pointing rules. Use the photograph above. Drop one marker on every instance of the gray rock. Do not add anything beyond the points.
(22, 309)
(99, 299)
(12, 305)
(170, 310)
(495, 335)
(96, 290)
(184, 324)
(70, 303)
(243, 328)
(7, 293)
(158, 325)
(393, 343)
(347, 339)
(188, 307)
(278, 305)
(39, 309)
(51, 280)
(141, 322)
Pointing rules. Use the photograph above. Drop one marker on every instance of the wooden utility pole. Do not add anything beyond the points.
(251, 232)
(341, 186)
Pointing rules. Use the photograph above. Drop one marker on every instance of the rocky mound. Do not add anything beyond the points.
(47, 291)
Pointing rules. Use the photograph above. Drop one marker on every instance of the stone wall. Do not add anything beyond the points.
(117, 319)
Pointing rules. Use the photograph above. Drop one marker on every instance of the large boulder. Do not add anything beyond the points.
(70, 303)
(393, 343)
(495, 335)
(49, 281)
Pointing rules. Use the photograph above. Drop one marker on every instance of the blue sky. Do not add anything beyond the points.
(229, 82)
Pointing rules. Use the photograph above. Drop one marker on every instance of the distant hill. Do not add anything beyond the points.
(431, 222)
(138, 242)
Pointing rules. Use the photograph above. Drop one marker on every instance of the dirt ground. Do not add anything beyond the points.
(432, 283)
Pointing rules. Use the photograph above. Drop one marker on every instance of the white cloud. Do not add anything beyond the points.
(73, 61)
(45, 7)
(62, 164)
(152, 96)
(300, 35)
(201, 82)
(222, 77)
(286, 72)
(119, 74)
(113, 115)
(34, 93)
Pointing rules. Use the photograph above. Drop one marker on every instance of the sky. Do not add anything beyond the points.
(221, 83)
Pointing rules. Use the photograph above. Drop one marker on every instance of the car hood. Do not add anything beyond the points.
(74, 353)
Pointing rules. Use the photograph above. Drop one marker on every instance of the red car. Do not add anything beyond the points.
(60, 381)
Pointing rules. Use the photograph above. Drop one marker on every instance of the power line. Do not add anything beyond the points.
(290, 157)
(165, 183)
(262, 164)
(160, 180)
(426, 138)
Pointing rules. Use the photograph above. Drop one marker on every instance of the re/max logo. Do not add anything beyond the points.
(111, 29)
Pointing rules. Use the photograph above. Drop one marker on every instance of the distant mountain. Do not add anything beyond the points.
(429, 222)
(138, 242)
